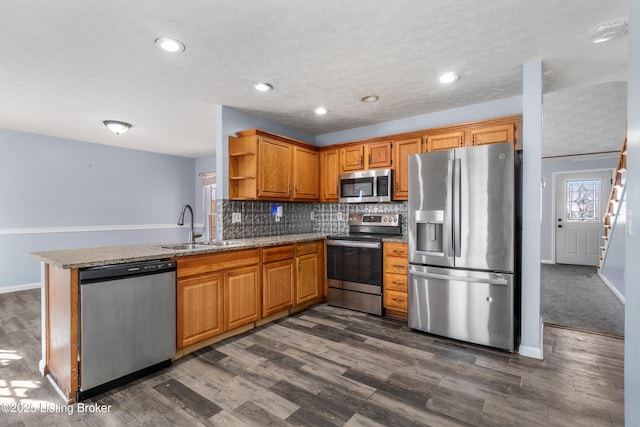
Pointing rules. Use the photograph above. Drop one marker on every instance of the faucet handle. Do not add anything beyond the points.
(196, 235)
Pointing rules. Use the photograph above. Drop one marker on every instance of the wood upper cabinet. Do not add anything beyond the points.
(375, 155)
(445, 141)
(264, 166)
(402, 149)
(493, 134)
(305, 174)
(378, 155)
(310, 267)
(242, 296)
(278, 278)
(329, 175)
(274, 169)
(352, 158)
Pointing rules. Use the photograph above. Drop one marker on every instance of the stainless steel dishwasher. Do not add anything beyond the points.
(127, 323)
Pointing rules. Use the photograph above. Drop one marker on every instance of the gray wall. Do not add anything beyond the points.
(59, 194)
(564, 164)
(632, 273)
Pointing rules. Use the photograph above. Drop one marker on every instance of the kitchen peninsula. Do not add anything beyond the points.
(221, 290)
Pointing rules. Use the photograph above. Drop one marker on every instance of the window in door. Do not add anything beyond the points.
(583, 200)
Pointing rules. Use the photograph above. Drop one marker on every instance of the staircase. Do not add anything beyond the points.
(612, 206)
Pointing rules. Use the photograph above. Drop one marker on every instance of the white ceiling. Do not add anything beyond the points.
(66, 65)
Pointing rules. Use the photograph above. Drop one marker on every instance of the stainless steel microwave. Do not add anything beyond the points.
(366, 186)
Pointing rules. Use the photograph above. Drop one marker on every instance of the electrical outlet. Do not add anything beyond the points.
(313, 215)
(236, 217)
(277, 218)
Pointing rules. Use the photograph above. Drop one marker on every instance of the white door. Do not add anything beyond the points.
(581, 200)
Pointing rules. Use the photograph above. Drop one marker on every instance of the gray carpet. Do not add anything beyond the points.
(574, 296)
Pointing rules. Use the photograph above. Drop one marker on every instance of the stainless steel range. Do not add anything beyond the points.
(354, 262)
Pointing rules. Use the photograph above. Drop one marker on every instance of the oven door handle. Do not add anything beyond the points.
(354, 244)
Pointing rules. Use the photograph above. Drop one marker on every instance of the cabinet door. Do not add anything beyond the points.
(379, 155)
(277, 290)
(307, 283)
(445, 141)
(402, 149)
(242, 296)
(493, 134)
(329, 175)
(305, 174)
(199, 308)
(352, 158)
(274, 169)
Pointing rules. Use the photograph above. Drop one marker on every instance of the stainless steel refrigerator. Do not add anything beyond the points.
(464, 244)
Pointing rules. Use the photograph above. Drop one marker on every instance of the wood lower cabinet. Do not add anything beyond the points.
(309, 269)
(396, 261)
(278, 278)
(242, 296)
(216, 293)
(199, 308)
(329, 175)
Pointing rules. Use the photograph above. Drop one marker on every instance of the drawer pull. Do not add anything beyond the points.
(399, 266)
(397, 299)
(398, 283)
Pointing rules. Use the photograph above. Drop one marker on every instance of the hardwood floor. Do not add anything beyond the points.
(332, 367)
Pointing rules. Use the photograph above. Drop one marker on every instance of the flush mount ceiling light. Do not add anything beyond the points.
(116, 126)
(449, 77)
(170, 45)
(262, 87)
(369, 98)
(321, 111)
(609, 31)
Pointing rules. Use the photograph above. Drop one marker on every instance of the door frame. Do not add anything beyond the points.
(553, 200)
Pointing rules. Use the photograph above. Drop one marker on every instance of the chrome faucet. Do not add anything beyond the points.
(192, 234)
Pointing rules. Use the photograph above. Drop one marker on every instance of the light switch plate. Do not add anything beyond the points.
(236, 217)
(629, 224)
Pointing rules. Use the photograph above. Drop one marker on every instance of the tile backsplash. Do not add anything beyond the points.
(257, 219)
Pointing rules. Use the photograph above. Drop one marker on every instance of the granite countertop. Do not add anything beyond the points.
(93, 257)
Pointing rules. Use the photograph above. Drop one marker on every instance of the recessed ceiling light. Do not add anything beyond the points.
(449, 77)
(117, 126)
(609, 31)
(321, 111)
(262, 87)
(369, 98)
(170, 45)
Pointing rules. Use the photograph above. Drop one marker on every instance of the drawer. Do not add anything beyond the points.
(307, 248)
(278, 253)
(395, 282)
(396, 249)
(395, 265)
(395, 300)
(191, 265)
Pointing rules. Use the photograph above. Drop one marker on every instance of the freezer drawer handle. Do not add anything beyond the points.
(460, 279)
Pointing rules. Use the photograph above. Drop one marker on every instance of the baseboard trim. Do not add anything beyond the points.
(546, 261)
(613, 288)
(18, 288)
(532, 352)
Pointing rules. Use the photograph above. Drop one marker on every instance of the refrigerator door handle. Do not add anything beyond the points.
(459, 278)
(449, 223)
(457, 205)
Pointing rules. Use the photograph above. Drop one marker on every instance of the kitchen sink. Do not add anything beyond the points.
(185, 246)
(203, 245)
(222, 243)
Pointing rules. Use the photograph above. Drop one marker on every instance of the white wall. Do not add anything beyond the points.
(632, 273)
(59, 194)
